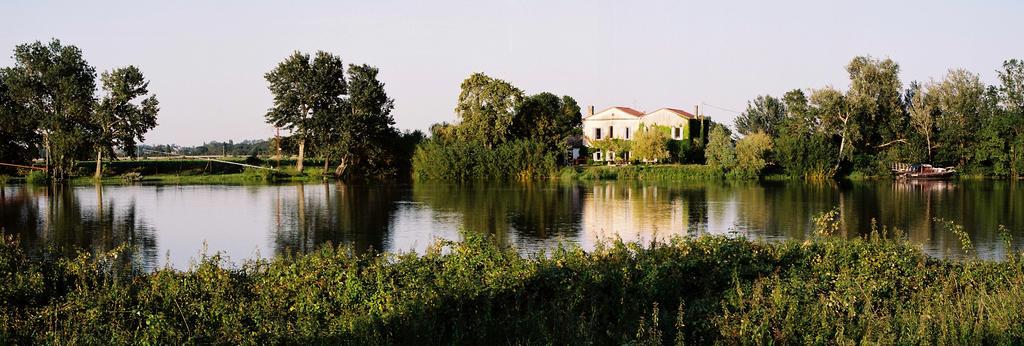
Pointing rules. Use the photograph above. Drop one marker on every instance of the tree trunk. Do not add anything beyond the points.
(46, 144)
(99, 163)
(842, 144)
(327, 164)
(928, 141)
(302, 155)
(342, 167)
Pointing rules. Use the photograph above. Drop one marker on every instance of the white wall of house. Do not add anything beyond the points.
(612, 123)
(665, 117)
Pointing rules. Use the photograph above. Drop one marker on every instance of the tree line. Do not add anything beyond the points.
(954, 121)
(50, 108)
(48, 102)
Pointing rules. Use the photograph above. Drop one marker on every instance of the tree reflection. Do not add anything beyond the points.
(55, 218)
(523, 213)
(307, 216)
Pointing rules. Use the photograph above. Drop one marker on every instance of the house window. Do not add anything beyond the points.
(611, 156)
(677, 132)
(597, 133)
(597, 156)
(611, 132)
(627, 133)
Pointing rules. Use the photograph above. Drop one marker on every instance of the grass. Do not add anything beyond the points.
(685, 290)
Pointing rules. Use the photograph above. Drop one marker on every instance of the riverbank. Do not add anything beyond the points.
(642, 172)
(693, 290)
(191, 171)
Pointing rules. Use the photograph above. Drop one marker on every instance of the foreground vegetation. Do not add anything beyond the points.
(687, 290)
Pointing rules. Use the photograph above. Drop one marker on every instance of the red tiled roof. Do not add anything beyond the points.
(681, 113)
(626, 110)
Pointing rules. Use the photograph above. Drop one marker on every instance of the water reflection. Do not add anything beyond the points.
(174, 223)
(305, 216)
(69, 220)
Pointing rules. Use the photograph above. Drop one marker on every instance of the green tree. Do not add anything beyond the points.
(765, 114)
(836, 119)
(125, 113)
(795, 103)
(1011, 95)
(993, 142)
(720, 151)
(54, 86)
(959, 98)
(367, 135)
(487, 109)
(549, 119)
(752, 154)
(650, 144)
(304, 88)
(874, 98)
(18, 139)
(922, 109)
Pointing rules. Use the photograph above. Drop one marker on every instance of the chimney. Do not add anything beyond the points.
(590, 111)
(696, 111)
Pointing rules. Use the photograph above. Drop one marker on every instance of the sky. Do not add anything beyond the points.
(206, 59)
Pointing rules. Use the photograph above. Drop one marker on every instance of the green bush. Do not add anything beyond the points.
(467, 161)
(36, 177)
(256, 174)
(131, 177)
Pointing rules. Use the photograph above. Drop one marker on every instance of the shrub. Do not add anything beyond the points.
(720, 151)
(36, 177)
(651, 145)
(131, 177)
(266, 174)
(466, 161)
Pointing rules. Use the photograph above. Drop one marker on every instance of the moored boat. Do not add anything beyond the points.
(924, 171)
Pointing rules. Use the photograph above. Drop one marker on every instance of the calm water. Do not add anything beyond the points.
(171, 223)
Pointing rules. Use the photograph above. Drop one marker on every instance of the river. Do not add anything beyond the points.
(174, 224)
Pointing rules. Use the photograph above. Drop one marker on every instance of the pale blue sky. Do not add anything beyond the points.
(206, 59)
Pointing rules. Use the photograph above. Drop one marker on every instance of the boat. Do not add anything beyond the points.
(923, 171)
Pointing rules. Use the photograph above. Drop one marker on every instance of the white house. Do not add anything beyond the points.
(623, 122)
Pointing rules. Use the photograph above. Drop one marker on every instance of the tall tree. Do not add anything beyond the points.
(922, 111)
(764, 114)
(875, 98)
(959, 98)
(368, 134)
(831, 107)
(18, 139)
(487, 108)
(302, 88)
(54, 86)
(549, 119)
(1011, 95)
(125, 113)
